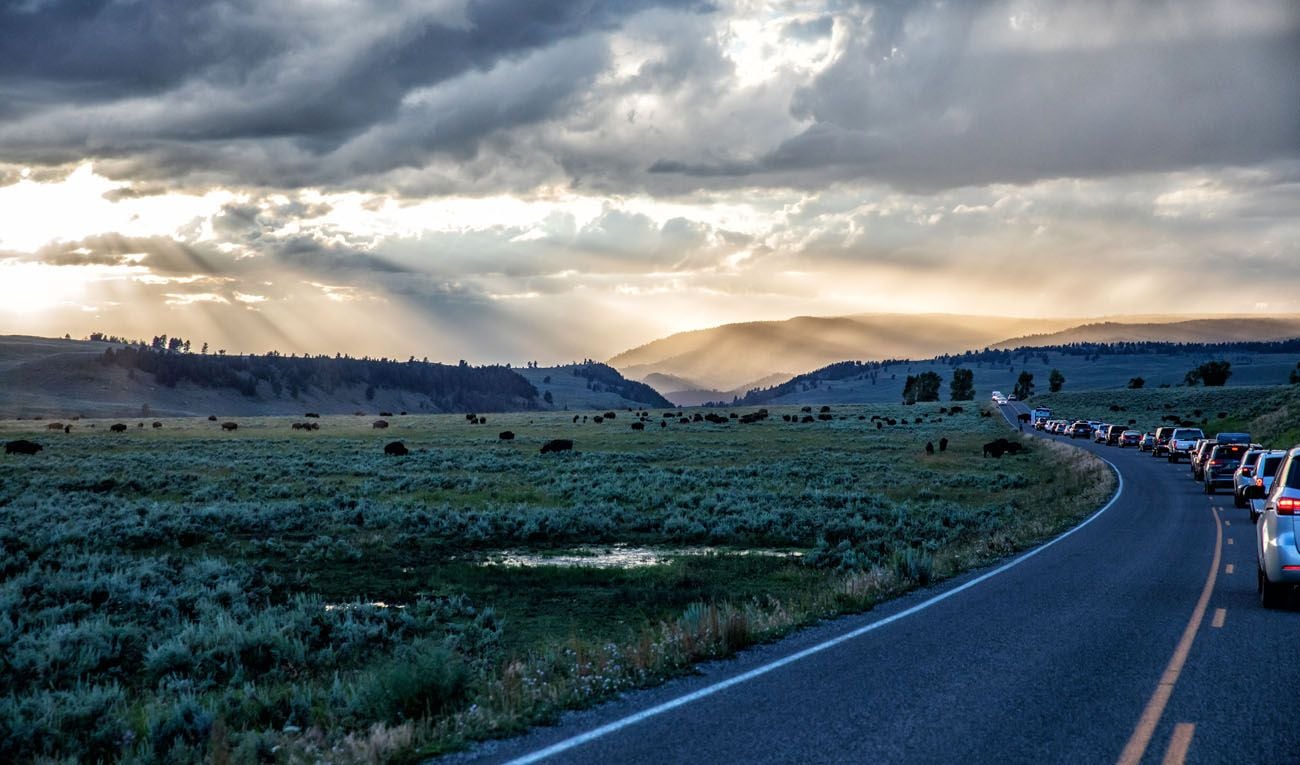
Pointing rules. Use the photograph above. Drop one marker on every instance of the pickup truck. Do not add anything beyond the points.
(1182, 441)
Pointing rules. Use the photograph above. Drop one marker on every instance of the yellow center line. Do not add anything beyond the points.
(1227, 523)
(1219, 615)
(1232, 541)
(1179, 743)
(1146, 726)
(1227, 569)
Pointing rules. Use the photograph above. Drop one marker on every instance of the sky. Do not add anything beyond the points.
(537, 180)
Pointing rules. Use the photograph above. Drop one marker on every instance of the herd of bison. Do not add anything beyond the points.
(640, 419)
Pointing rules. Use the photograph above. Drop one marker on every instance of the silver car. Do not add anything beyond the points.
(1263, 469)
(1278, 548)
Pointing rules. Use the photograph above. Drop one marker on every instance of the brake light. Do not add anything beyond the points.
(1216, 462)
(1287, 506)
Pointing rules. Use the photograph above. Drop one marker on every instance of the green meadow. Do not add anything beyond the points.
(185, 593)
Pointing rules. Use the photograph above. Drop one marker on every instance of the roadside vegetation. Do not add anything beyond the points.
(1271, 414)
(184, 593)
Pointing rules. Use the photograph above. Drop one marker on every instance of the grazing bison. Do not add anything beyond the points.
(598, 419)
(67, 428)
(312, 414)
(575, 418)
(557, 445)
(943, 444)
(684, 421)
(663, 424)
(118, 428)
(22, 446)
(380, 424)
(825, 417)
(54, 426)
(385, 414)
(1002, 446)
(506, 435)
(611, 415)
(806, 409)
(157, 424)
(228, 426)
(212, 418)
(955, 410)
(879, 425)
(807, 418)
(929, 447)
(638, 426)
(1023, 417)
(396, 449)
(824, 410)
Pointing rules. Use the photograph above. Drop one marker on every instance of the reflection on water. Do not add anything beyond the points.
(615, 556)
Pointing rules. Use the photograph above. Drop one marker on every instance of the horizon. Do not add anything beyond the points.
(506, 183)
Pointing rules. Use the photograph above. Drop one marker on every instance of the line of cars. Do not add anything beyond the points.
(1266, 481)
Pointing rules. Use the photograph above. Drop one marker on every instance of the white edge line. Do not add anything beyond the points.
(709, 690)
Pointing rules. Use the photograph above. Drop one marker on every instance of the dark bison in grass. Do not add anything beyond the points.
(212, 418)
(312, 414)
(118, 428)
(943, 444)
(557, 445)
(380, 424)
(638, 426)
(157, 424)
(228, 426)
(506, 435)
(22, 446)
(1002, 446)
(396, 449)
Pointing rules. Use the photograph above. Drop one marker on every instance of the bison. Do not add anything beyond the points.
(943, 444)
(157, 424)
(312, 414)
(396, 449)
(22, 446)
(385, 414)
(212, 418)
(506, 435)
(929, 447)
(638, 426)
(557, 445)
(229, 426)
(54, 426)
(379, 424)
(118, 428)
(598, 419)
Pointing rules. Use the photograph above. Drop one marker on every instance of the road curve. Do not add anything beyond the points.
(1137, 636)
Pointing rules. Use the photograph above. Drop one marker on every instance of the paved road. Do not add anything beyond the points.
(1136, 638)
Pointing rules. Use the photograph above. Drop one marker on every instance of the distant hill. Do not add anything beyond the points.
(683, 392)
(725, 359)
(1205, 330)
(47, 377)
(62, 378)
(1086, 368)
(728, 357)
(591, 386)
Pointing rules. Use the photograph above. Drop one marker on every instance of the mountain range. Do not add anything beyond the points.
(724, 362)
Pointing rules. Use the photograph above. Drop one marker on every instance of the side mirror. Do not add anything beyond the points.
(1245, 471)
(1254, 492)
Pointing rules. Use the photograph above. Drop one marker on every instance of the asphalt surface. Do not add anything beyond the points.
(1138, 637)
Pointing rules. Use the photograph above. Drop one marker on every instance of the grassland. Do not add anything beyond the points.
(183, 593)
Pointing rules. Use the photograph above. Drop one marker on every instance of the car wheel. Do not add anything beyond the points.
(1172, 459)
(1209, 488)
(1254, 516)
(1271, 594)
(1237, 501)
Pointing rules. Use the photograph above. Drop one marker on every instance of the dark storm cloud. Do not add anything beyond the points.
(925, 100)
(187, 86)
(162, 255)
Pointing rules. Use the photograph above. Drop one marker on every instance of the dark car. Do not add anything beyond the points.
(1196, 460)
(1080, 429)
(1162, 441)
(1232, 438)
(1113, 433)
(1219, 466)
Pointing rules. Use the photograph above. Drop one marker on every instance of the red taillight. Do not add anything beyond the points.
(1291, 568)
(1216, 462)
(1287, 506)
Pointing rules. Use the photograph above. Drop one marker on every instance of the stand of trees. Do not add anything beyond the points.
(1211, 374)
(923, 387)
(962, 387)
(451, 388)
(1024, 386)
(604, 377)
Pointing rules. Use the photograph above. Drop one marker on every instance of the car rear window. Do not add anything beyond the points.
(1293, 475)
(1229, 452)
(1182, 434)
(1271, 464)
(1233, 438)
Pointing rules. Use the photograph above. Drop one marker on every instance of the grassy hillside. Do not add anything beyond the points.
(1106, 372)
(1271, 414)
(590, 386)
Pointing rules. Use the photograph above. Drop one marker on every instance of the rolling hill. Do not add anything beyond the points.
(1203, 330)
(44, 377)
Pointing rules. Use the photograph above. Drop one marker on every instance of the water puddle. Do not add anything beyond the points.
(614, 556)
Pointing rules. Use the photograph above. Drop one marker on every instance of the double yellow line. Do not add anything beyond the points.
(1155, 708)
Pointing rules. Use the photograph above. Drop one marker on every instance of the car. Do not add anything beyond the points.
(1148, 442)
(998, 398)
(1197, 459)
(1181, 442)
(1113, 433)
(1080, 429)
(1099, 433)
(1161, 449)
(1128, 438)
(1220, 463)
(1262, 469)
(1277, 552)
(1232, 438)
(1012, 397)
